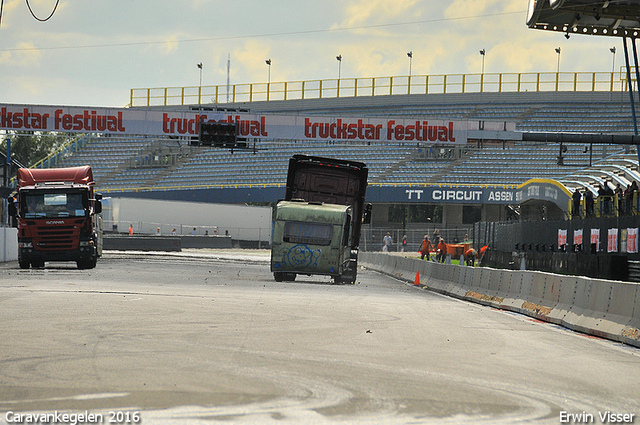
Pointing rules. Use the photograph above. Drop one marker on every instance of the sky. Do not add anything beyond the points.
(92, 53)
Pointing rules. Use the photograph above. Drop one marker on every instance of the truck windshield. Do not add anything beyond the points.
(307, 233)
(54, 204)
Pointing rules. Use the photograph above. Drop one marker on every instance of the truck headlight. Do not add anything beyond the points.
(25, 244)
(85, 243)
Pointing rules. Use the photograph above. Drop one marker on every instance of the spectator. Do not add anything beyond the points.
(608, 199)
(441, 252)
(387, 242)
(131, 230)
(588, 202)
(627, 199)
(602, 193)
(619, 194)
(577, 197)
(632, 195)
(404, 244)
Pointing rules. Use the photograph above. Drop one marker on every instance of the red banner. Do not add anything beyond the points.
(155, 122)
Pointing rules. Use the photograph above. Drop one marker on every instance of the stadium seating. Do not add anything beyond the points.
(131, 163)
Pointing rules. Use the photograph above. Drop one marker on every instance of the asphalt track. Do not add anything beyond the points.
(205, 337)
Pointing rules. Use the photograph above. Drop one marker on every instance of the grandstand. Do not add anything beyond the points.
(126, 164)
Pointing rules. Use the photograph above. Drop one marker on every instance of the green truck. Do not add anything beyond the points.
(317, 225)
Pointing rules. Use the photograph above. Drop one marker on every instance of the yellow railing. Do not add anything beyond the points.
(381, 86)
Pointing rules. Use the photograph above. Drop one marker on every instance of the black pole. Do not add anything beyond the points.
(7, 164)
(635, 60)
(633, 106)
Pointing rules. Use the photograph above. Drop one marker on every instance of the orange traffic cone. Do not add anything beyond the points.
(417, 281)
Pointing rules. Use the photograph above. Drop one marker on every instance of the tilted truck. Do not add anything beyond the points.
(317, 226)
(58, 217)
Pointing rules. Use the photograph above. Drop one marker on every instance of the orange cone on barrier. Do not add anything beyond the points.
(417, 281)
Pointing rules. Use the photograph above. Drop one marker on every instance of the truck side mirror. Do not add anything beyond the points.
(97, 206)
(366, 216)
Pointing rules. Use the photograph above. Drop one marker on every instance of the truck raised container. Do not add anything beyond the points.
(317, 226)
(58, 217)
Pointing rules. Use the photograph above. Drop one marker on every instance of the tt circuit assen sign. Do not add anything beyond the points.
(445, 194)
(534, 189)
(129, 121)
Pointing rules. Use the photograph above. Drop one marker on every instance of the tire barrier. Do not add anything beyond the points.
(604, 308)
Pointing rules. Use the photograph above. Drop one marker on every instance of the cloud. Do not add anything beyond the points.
(26, 55)
(459, 8)
(361, 12)
(170, 44)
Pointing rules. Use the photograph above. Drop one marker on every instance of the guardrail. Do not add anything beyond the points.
(381, 86)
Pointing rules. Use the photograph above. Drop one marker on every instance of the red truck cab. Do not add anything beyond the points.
(58, 217)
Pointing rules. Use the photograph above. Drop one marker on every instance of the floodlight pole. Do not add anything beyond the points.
(410, 54)
(613, 63)
(339, 59)
(200, 85)
(268, 62)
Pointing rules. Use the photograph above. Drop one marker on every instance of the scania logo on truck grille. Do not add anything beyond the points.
(55, 222)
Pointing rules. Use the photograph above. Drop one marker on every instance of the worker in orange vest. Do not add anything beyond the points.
(441, 251)
(483, 252)
(425, 248)
(470, 256)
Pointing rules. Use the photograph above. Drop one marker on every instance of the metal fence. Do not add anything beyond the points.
(371, 237)
(381, 86)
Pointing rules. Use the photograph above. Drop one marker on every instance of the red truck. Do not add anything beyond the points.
(58, 217)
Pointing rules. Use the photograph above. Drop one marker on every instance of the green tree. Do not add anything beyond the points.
(29, 148)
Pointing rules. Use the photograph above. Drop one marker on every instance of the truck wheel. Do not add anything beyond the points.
(290, 277)
(278, 276)
(24, 264)
(349, 277)
(37, 264)
(88, 264)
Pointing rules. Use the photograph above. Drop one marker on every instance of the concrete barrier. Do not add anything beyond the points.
(142, 243)
(608, 309)
(212, 241)
(8, 244)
